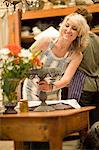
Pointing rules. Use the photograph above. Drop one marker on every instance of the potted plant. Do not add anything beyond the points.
(15, 63)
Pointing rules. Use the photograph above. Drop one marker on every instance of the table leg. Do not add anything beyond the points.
(55, 143)
(18, 145)
(55, 135)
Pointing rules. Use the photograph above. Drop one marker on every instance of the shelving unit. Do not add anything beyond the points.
(16, 19)
(56, 12)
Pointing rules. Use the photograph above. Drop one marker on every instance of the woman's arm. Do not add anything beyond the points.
(40, 44)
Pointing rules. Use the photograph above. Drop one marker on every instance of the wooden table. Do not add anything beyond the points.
(43, 126)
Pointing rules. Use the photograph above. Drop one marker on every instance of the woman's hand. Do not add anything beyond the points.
(45, 86)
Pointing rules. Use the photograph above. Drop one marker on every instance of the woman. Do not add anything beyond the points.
(65, 53)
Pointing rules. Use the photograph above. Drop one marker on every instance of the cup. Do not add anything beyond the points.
(23, 104)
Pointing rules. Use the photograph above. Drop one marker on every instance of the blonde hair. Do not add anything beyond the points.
(82, 27)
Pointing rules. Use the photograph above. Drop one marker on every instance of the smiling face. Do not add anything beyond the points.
(69, 30)
(74, 29)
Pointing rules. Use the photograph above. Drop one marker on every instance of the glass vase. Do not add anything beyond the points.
(10, 94)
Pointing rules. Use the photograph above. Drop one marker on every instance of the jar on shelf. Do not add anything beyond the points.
(36, 5)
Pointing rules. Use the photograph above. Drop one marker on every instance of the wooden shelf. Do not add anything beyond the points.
(16, 18)
(34, 14)
(56, 12)
(27, 37)
(95, 30)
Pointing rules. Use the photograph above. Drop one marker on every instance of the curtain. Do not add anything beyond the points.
(3, 29)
